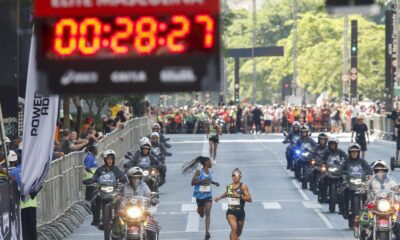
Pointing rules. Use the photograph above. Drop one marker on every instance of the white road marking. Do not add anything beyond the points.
(302, 193)
(272, 205)
(313, 205)
(189, 208)
(343, 140)
(205, 151)
(193, 199)
(324, 219)
(154, 209)
(193, 222)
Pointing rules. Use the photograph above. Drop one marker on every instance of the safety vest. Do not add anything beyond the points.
(30, 203)
(89, 175)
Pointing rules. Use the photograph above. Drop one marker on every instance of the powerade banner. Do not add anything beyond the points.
(39, 130)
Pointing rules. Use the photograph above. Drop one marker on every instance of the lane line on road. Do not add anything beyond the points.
(302, 193)
(312, 205)
(324, 219)
(271, 205)
(189, 208)
(193, 222)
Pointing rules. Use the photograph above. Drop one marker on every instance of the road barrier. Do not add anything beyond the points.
(63, 187)
(380, 126)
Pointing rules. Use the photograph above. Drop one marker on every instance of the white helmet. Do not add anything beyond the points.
(296, 124)
(380, 165)
(135, 172)
(145, 142)
(12, 156)
(155, 125)
(333, 139)
(109, 153)
(155, 134)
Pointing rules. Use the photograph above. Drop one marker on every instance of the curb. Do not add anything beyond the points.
(65, 224)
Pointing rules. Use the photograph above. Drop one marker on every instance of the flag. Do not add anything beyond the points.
(40, 118)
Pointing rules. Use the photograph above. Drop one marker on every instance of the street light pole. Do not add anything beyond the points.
(294, 83)
(253, 49)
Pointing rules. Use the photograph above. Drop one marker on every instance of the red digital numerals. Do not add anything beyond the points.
(145, 35)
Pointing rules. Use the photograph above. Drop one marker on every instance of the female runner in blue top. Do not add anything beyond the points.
(202, 181)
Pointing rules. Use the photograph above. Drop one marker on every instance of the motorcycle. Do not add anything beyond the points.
(331, 180)
(106, 190)
(302, 160)
(378, 219)
(151, 174)
(356, 187)
(134, 215)
(289, 149)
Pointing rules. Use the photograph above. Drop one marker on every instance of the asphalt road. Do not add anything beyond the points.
(280, 209)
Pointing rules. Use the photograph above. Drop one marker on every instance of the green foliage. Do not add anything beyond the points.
(320, 50)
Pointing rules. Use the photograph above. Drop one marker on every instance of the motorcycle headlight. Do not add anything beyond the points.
(383, 205)
(332, 169)
(145, 173)
(153, 173)
(306, 154)
(313, 162)
(356, 181)
(107, 189)
(134, 212)
(323, 169)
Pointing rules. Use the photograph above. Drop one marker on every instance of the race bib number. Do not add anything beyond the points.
(205, 188)
(234, 201)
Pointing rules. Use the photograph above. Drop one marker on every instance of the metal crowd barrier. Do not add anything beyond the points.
(380, 126)
(63, 186)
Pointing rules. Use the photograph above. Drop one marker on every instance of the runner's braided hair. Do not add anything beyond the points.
(192, 165)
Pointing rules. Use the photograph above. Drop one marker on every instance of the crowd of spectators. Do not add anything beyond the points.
(247, 118)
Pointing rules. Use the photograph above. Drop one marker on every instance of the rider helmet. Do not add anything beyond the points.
(322, 136)
(380, 165)
(155, 126)
(109, 153)
(135, 172)
(304, 129)
(296, 126)
(333, 140)
(155, 134)
(145, 143)
(354, 147)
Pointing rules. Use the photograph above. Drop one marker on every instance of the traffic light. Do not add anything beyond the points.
(286, 88)
(343, 3)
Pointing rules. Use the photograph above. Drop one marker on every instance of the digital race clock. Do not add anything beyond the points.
(113, 46)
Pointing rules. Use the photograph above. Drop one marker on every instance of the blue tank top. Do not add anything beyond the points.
(203, 191)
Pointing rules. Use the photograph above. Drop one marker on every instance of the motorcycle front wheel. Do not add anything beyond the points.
(107, 221)
(304, 179)
(355, 210)
(332, 197)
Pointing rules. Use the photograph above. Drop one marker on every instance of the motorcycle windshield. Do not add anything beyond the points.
(295, 138)
(140, 202)
(306, 145)
(382, 194)
(108, 179)
(144, 163)
(382, 182)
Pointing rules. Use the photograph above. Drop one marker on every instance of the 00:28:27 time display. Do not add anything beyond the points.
(145, 35)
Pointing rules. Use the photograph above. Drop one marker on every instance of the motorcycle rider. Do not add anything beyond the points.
(293, 135)
(109, 166)
(354, 164)
(319, 151)
(332, 155)
(305, 141)
(143, 156)
(381, 180)
(159, 151)
(156, 128)
(138, 188)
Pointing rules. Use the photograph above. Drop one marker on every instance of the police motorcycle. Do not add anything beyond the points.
(291, 139)
(163, 140)
(303, 161)
(378, 220)
(354, 181)
(160, 154)
(134, 221)
(106, 190)
(147, 162)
